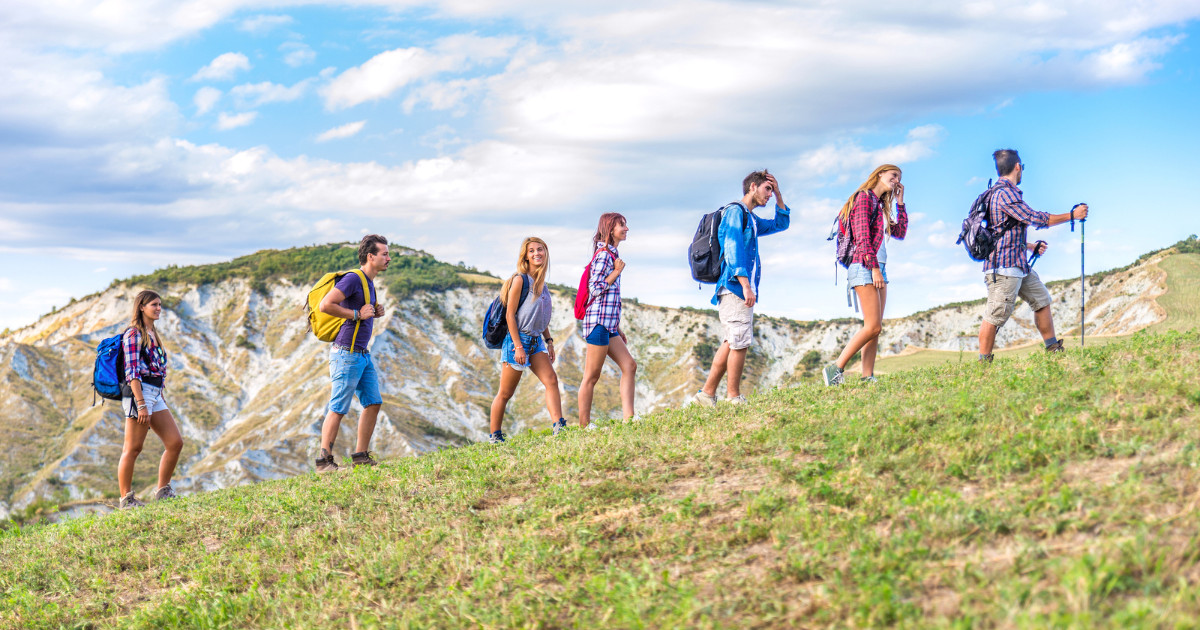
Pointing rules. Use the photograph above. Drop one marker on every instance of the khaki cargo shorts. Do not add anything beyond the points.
(1003, 292)
(737, 321)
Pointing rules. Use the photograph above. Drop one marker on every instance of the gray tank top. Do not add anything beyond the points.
(534, 315)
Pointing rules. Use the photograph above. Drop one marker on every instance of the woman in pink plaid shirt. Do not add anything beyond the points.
(602, 320)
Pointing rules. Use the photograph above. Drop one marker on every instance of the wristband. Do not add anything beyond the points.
(356, 316)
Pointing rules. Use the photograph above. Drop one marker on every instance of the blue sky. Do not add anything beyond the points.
(139, 134)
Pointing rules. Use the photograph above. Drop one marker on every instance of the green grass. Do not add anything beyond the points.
(1182, 299)
(1040, 491)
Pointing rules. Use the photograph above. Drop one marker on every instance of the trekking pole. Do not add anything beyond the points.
(1082, 286)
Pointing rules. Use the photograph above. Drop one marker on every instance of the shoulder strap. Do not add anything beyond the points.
(362, 277)
(745, 213)
(526, 286)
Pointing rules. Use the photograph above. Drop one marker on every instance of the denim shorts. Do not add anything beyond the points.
(154, 401)
(508, 351)
(858, 275)
(352, 373)
(600, 336)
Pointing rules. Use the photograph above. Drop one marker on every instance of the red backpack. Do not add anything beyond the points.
(582, 295)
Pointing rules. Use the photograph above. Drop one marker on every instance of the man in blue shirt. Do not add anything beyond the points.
(737, 289)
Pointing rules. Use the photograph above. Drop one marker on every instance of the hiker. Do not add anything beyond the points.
(867, 216)
(602, 319)
(351, 370)
(142, 400)
(1006, 272)
(528, 344)
(737, 288)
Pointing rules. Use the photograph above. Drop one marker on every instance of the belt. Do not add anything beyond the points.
(351, 350)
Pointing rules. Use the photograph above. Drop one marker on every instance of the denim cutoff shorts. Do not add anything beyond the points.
(857, 275)
(599, 336)
(154, 401)
(533, 344)
(352, 373)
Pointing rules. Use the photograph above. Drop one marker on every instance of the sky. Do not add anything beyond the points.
(140, 134)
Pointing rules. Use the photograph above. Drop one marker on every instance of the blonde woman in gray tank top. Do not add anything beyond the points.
(528, 345)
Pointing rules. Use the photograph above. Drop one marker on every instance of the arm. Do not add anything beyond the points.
(512, 303)
(1020, 211)
(1080, 213)
(900, 227)
(733, 247)
(133, 359)
(602, 274)
(860, 231)
(331, 304)
(783, 214)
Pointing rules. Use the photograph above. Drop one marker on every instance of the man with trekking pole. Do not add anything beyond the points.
(1006, 272)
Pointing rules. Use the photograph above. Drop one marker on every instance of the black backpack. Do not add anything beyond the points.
(978, 236)
(704, 254)
(495, 324)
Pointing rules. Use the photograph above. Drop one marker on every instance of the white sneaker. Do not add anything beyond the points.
(704, 399)
(737, 400)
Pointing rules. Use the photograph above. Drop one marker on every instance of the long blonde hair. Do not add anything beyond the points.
(539, 276)
(140, 323)
(886, 199)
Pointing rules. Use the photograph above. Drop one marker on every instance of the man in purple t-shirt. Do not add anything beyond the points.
(350, 368)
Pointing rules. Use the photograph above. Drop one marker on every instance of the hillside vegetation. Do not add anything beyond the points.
(1038, 491)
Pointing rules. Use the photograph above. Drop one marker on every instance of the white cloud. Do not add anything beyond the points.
(223, 67)
(297, 54)
(255, 94)
(1130, 61)
(344, 131)
(226, 121)
(262, 24)
(839, 161)
(205, 99)
(385, 73)
(443, 96)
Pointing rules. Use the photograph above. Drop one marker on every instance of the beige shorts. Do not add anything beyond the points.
(1003, 292)
(737, 321)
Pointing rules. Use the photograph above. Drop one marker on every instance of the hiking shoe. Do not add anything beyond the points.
(559, 426)
(325, 462)
(987, 358)
(832, 375)
(363, 459)
(129, 501)
(870, 380)
(737, 400)
(164, 492)
(594, 426)
(1057, 347)
(704, 399)
(496, 437)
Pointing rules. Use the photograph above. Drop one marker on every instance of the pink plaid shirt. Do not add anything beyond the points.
(605, 306)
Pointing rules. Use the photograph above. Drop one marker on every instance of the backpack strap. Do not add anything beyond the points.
(369, 298)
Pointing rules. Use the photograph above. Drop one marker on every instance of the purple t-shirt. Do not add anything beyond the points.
(351, 286)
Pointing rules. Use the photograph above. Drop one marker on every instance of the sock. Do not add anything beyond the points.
(983, 356)
(1051, 341)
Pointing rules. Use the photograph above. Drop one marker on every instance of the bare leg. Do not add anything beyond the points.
(366, 427)
(544, 370)
(135, 437)
(593, 363)
(868, 299)
(987, 337)
(508, 385)
(164, 425)
(719, 364)
(871, 349)
(1044, 321)
(620, 354)
(737, 363)
(329, 430)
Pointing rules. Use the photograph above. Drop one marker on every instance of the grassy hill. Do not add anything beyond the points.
(1038, 491)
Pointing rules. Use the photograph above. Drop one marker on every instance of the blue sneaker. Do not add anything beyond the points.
(496, 437)
(559, 426)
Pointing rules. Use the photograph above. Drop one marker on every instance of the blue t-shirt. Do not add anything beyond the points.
(351, 286)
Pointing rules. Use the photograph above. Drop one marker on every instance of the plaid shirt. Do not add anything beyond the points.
(1007, 205)
(135, 367)
(865, 221)
(604, 308)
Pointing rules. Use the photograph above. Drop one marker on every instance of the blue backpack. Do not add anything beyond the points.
(495, 324)
(108, 374)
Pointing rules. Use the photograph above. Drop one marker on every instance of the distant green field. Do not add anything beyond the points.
(1181, 302)
(1036, 492)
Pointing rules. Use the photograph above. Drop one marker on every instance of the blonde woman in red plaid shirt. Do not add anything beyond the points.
(602, 320)
(868, 216)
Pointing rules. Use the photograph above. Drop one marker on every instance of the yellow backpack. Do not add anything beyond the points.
(323, 325)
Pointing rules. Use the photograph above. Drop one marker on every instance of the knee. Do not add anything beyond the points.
(505, 394)
(552, 383)
(174, 446)
(132, 451)
(631, 367)
(873, 330)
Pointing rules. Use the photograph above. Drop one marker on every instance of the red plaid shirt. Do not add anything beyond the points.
(866, 228)
(1007, 206)
(135, 367)
(605, 307)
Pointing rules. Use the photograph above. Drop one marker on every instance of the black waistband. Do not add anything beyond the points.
(156, 381)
